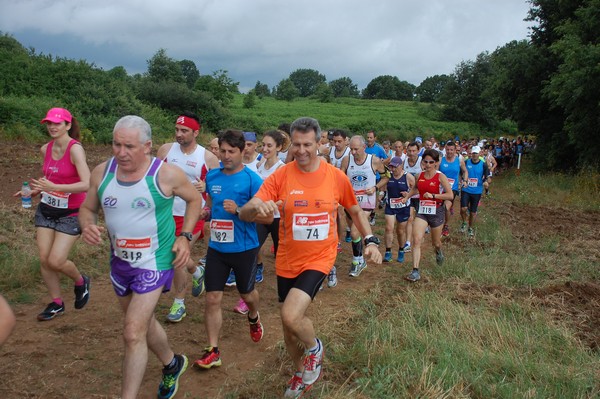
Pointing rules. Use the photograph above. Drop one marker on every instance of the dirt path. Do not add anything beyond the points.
(79, 354)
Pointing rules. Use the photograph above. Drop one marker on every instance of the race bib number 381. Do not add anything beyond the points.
(311, 227)
(56, 199)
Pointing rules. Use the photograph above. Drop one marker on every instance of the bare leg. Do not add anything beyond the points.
(213, 316)
(298, 330)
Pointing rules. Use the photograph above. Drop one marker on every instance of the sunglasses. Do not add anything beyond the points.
(428, 162)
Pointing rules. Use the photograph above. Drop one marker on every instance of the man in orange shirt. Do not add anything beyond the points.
(307, 192)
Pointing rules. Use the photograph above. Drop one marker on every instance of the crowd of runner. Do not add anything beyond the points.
(310, 189)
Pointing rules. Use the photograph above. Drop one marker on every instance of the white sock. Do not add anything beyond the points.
(179, 301)
(408, 243)
(198, 273)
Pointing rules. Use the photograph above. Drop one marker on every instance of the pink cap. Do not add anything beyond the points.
(57, 115)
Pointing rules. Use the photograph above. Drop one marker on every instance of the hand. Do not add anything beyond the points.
(181, 248)
(230, 206)
(373, 253)
(200, 186)
(92, 234)
(42, 184)
(370, 190)
(428, 196)
(268, 208)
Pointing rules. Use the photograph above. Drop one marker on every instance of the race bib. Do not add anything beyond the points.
(221, 230)
(473, 182)
(363, 199)
(427, 207)
(396, 203)
(451, 182)
(310, 227)
(56, 199)
(133, 250)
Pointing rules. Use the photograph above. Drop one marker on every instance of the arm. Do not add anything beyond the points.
(91, 233)
(163, 151)
(345, 162)
(464, 173)
(211, 160)
(256, 210)
(359, 219)
(379, 166)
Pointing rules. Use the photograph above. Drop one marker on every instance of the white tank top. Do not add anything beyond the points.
(252, 165)
(413, 170)
(264, 173)
(194, 167)
(335, 161)
(362, 177)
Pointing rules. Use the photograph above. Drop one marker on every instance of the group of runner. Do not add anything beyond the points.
(305, 188)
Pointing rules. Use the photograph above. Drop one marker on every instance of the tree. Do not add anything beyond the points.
(219, 85)
(163, 68)
(388, 87)
(324, 93)
(250, 99)
(432, 87)
(261, 89)
(306, 81)
(343, 87)
(190, 72)
(285, 90)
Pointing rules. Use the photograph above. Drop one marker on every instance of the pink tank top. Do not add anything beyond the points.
(62, 172)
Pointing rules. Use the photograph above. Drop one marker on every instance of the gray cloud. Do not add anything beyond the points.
(267, 39)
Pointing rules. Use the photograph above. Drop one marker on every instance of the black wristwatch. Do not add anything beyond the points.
(372, 240)
(187, 235)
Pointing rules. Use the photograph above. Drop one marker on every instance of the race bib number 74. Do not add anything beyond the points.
(310, 227)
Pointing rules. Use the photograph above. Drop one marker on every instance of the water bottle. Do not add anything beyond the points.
(26, 195)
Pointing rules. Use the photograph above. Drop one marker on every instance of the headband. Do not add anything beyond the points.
(188, 122)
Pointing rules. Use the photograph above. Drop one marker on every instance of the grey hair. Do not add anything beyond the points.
(306, 124)
(360, 138)
(137, 123)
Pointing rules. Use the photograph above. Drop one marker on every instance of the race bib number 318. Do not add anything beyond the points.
(311, 227)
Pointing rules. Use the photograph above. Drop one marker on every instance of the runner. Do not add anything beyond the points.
(471, 194)
(492, 165)
(233, 242)
(412, 165)
(453, 167)
(339, 151)
(195, 162)
(374, 148)
(433, 188)
(307, 192)
(66, 177)
(361, 168)
(136, 192)
(251, 158)
(395, 211)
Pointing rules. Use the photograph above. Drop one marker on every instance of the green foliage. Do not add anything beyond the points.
(388, 87)
(307, 81)
(286, 90)
(250, 99)
(218, 85)
(261, 89)
(190, 72)
(431, 89)
(163, 68)
(324, 93)
(343, 87)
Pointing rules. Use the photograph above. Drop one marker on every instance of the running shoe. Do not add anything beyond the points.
(198, 283)
(406, 248)
(388, 256)
(400, 257)
(332, 278)
(210, 358)
(256, 330)
(439, 257)
(414, 276)
(241, 307)
(445, 231)
(463, 227)
(372, 219)
(176, 313)
(259, 273)
(296, 387)
(231, 279)
(170, 380)
(357, 267)
(82, 292)
(348, 237)
(313, 363)
(339, 247)
(51, 311)
(471, 232)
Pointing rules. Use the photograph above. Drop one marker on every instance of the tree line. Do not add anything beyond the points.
(549, 85)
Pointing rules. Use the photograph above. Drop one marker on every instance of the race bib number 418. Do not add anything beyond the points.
(311, 227)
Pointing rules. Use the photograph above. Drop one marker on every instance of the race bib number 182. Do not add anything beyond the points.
(222, 230)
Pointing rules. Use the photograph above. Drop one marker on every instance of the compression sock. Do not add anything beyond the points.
(357, 247)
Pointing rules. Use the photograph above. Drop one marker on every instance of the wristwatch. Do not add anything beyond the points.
(237, 210)
(187, 235)
(372, 240)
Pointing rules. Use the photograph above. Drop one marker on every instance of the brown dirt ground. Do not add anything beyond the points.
(79, 354)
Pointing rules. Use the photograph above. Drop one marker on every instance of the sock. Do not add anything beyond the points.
(388, 249)
(179, 301)
(357, 247)
(172, 364)
(57, 301)
(408, 243)
(347, 230)
(259, 265)
(215, 349)
(254, 320)
(198, 273)
(316, 348)
(79, 282)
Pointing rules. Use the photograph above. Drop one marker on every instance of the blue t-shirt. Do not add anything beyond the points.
(451, 170)
(376, 150)
(228, 233)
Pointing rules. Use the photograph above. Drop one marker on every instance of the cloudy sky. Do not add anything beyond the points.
(266, 40)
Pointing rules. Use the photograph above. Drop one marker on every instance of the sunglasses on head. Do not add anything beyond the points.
(428, 162)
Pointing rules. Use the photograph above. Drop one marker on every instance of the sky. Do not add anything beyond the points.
(266, 40)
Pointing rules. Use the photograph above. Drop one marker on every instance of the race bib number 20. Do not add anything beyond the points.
(311, 227)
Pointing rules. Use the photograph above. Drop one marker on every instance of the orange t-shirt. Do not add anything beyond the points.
(307, 228)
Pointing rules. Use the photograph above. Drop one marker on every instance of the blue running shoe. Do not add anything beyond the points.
(231, 279)
(170, 380)
(400, 256)
(388, 256)
(259, 273)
